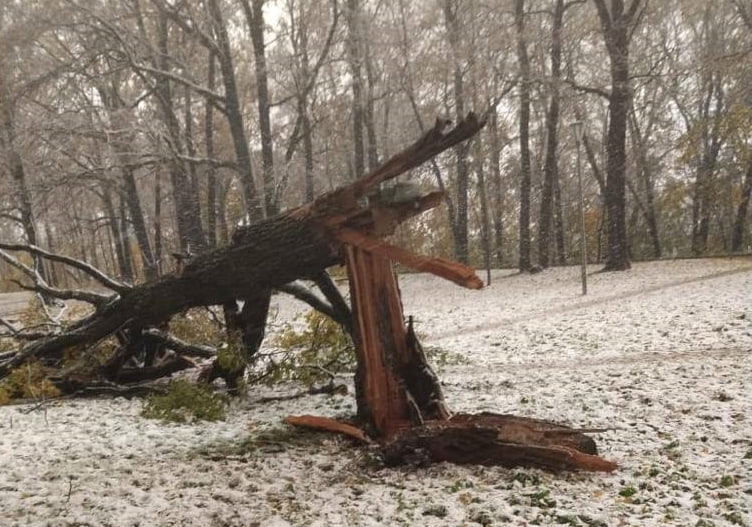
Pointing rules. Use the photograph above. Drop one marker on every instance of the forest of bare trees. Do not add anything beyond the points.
(133, 129)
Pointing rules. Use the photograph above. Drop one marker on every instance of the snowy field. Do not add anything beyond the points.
(661, 355)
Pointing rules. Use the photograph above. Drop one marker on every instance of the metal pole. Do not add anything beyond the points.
(577, 129)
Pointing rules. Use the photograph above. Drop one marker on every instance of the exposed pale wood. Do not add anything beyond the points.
(330, 425)
(456, 272)
(379, 338)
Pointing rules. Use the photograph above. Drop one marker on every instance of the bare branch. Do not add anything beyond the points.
(41, 286)
(21, 334)
(309, 297)
(90, 270)
(587, 89)
(180, 346)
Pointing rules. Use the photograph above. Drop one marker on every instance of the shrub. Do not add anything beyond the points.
(197, 326)
(185, 402)
(27, 382)
(312, 355)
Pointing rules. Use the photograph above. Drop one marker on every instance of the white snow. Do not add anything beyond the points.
(661, 354)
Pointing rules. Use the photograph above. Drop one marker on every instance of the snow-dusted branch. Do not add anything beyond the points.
(96, 274)
(40, 286)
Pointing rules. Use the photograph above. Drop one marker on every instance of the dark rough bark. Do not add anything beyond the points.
(550, 167)
(246, 325)
(234, 114)
(617, 25)
(494, 439)
(452, 21)
(254, 14)
(703, 199)
(211, 171)
(524, 87)
(266, 254)
(497, 189)
(187, 204)
(355, 60)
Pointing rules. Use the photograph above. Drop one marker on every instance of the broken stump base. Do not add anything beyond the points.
(482, 439)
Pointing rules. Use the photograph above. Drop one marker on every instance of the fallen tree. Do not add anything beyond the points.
(400, 403)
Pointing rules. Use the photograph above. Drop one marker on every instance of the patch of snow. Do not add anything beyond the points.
(661, 355)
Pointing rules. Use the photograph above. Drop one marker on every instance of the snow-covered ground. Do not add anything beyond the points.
(661, 355)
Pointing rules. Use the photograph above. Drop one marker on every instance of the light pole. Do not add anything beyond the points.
(577, 132)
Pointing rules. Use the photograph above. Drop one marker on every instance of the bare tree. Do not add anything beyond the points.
(524, 127)
(618, 23)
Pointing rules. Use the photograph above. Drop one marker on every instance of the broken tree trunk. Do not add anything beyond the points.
(400, 401)
(399, 396)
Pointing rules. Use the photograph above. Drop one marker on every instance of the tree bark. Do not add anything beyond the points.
(461, 249)
(254, 14)
(741, 222)
(617, 25)
(525, 183)
(355, 60)
(187, 203)
(550, 167)
(497, 188)
(234, 114)
(211, 171)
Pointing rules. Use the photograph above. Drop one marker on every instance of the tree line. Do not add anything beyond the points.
(132, 129)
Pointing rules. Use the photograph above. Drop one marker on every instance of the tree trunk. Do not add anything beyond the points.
(355, 60)
(187, 203)
(740, 223)
(125, 269)
(234, 114)
(485, 216)
(524, 86)
(254, 14)
(461, 249)
(550, 167)
(703, 201)
(617, 25)
(497, 189)
(211, 171)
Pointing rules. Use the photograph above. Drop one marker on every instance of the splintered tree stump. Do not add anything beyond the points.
(400, 400)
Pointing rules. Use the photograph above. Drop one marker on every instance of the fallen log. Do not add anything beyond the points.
(489, 439)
